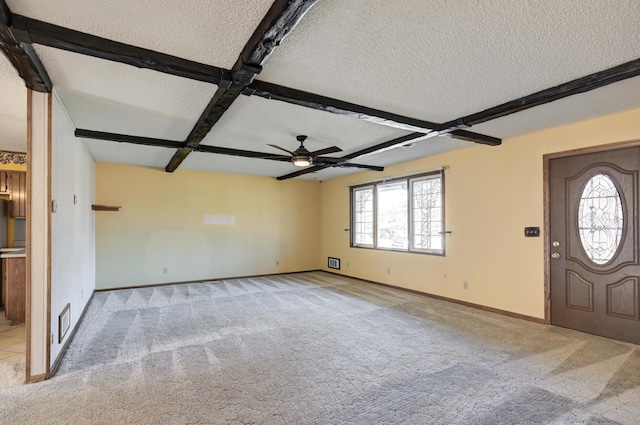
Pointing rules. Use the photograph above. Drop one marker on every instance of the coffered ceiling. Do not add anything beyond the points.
(434, 61)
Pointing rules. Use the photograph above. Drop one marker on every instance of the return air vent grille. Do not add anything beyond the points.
(334, 263)
(64, 323)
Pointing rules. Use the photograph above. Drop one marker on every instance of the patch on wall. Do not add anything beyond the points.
(219, 219)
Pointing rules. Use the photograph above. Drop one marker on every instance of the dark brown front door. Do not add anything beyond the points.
(595, 267)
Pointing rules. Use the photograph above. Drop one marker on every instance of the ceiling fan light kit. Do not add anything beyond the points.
(301, 161)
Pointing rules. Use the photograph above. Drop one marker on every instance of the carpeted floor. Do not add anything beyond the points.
(315, 348)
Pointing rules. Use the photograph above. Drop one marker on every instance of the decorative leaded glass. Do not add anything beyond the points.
(600, 220)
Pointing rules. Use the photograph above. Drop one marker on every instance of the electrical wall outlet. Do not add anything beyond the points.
(465, 285)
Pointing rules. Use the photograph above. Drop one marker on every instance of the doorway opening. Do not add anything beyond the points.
(12, 268)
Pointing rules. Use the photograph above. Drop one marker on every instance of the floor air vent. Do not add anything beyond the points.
(334, 263)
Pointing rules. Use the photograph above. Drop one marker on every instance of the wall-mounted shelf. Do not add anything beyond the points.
(105, 208)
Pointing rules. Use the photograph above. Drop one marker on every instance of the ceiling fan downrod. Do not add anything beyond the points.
(302, 157)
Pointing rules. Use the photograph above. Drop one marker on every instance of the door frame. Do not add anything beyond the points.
(41, 284)
(547, 208)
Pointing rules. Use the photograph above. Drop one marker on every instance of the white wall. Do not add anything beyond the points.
(160, 235)
(72, 225)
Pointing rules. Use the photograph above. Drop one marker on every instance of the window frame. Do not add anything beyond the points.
(352, 227)
(409, 179)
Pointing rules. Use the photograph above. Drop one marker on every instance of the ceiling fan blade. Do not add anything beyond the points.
(332, 149)
(243, 153)
(282, 149)
(339, 162)
(367, 167)
(330, 160)
(306, 170)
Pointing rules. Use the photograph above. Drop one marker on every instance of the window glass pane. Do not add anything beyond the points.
(600, 219)
(363, 216)
(404, 214)
(426, 213)
(392, 215)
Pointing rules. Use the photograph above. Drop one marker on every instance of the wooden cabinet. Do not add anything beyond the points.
(14, 288)
(4, 182)
(18, 194)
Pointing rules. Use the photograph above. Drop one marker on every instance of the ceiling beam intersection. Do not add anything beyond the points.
(17, 32)
(32, 31)
(280, 20)
(22, 56)
(372, 149)
(164, 143)
(580, 85)
(322, 103)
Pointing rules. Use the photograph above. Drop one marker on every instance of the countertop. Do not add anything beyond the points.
(13, 252)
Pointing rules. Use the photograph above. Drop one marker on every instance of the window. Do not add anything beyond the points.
(362, 232)
(600, 219)
(403, 214)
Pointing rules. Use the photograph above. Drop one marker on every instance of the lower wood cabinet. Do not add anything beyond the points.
(14, 288)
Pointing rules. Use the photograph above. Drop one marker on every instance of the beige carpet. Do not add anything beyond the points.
(314, 348)
(11, 374)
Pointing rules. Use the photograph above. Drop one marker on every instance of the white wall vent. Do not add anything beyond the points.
(64, 322)
(334, 263)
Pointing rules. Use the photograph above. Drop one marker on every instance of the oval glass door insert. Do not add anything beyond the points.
(600, 219)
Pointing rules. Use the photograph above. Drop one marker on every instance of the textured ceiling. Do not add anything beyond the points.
(442, 59)
(13, 109)
(618, 97)
(207, 31)
(434, 61)
(252, 122)
(108, 96)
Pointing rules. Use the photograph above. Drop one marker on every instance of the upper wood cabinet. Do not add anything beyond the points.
(18, 194)
(4, 182)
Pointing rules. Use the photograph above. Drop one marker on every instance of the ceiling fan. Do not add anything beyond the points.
(301, 157)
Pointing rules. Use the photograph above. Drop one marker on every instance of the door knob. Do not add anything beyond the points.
(555, 244)
(555, 255)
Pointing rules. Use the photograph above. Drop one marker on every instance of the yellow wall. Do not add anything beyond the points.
(492, 193)
(161, 224)
(10, 221)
